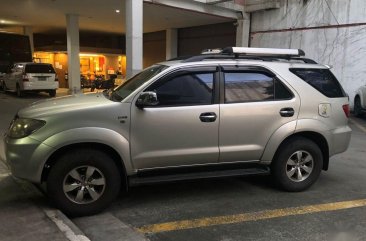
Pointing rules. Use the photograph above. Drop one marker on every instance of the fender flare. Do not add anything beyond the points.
(293, 128)
(96, 135)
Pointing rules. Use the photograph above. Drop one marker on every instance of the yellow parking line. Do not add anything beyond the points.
(358, 125)
(246, 217)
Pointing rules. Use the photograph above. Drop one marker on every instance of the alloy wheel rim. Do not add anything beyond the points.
(299, 166)
(84, 184)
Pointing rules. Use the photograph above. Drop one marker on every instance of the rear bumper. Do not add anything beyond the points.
(340, 139)
(40, 86)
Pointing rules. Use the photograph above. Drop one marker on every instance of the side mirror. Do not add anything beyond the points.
(147, 99)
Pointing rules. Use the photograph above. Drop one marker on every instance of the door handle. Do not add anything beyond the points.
(208, 117)
(287, 112)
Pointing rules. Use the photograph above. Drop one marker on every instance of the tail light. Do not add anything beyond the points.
(25, 78)
(346, 110)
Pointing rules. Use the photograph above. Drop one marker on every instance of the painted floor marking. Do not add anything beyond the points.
(247, 217)
(356, 123)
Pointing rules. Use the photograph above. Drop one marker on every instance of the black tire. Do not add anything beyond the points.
(59, 178)
(282, 166)
(357, 108)
(19, 92)
(52, 93)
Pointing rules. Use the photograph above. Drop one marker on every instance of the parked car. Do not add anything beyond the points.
(360, 101)
(25, 77)
(242, 111)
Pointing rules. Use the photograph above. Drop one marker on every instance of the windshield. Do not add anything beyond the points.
(136, 81)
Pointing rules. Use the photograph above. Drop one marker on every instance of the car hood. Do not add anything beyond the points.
(69, 103)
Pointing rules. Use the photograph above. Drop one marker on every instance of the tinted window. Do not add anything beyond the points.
(253, 86)
(39, 68)
(321, 79)
(281, 92)
(248, 86)
(187, 89)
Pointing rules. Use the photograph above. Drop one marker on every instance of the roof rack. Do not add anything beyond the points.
(263, 54)
(263, 51)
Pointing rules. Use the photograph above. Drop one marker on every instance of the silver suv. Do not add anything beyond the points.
(241, 111)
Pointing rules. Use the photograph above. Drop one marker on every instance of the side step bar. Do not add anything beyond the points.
(137, 180)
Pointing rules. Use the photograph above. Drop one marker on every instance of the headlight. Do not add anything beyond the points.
(22, 127)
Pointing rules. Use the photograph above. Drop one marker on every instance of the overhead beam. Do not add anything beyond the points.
(212, 1)
(199, 7)
(258, 5)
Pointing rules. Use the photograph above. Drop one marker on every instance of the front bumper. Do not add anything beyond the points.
(25, 157)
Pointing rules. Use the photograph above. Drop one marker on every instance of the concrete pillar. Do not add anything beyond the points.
(134, 34)
(242, 33)
(171, 43)
(73, 49)
(28, 30)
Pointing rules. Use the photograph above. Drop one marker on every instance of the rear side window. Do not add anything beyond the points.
(322, 80)
(39, 68)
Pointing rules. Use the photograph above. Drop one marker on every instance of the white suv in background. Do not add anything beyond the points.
(35, 77)
(360, 101)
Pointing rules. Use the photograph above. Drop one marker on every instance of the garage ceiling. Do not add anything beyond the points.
(95, 15)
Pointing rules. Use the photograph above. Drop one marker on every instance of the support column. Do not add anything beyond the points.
(134, 35)
(243, 33)
(28, 30)
(171, 43)
(73, 49)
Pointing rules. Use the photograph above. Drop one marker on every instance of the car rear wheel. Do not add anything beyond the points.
(357, 108)
(83, 182)
(52, 93)
(3, 86)
(297, 164)
(19, 91)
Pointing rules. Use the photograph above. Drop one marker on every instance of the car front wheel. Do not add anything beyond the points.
(357, 108)
(297, 164)
(83, 182)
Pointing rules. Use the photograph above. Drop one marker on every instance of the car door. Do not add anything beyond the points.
(255, 103)
(182, 130)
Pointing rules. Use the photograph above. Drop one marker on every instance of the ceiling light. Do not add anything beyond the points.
(2, 21)
(117, 10)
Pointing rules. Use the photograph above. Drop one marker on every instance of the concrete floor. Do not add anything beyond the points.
(227, 199)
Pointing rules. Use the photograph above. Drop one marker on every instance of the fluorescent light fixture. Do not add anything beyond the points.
(88, 55)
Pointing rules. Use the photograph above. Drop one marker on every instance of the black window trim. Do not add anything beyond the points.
(250, 69)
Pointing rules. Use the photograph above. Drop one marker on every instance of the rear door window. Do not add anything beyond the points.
(253, 86)
(322, 80)
(39, 68)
